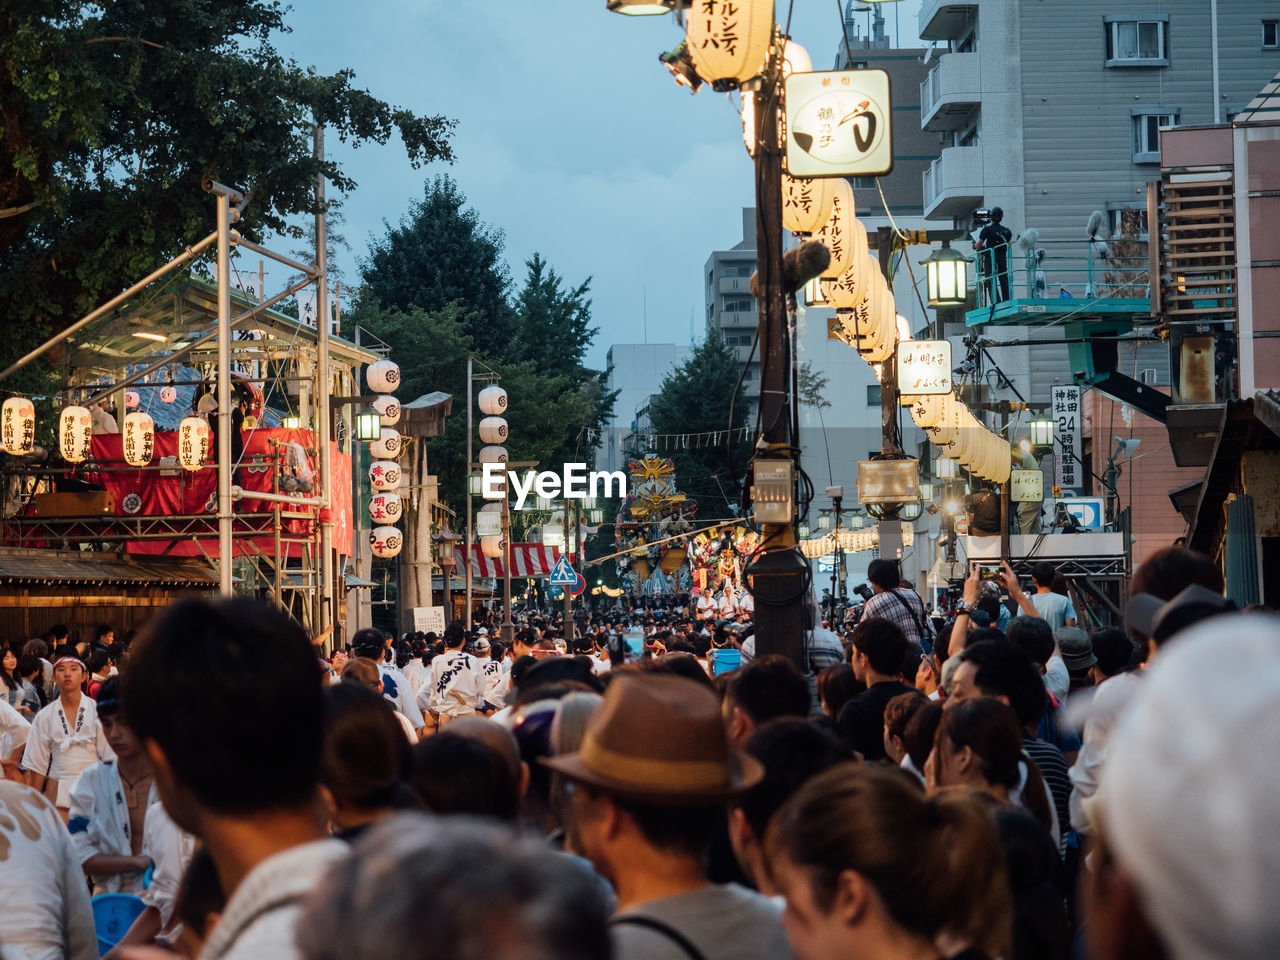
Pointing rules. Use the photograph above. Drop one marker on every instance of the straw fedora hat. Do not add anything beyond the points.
(660, 739)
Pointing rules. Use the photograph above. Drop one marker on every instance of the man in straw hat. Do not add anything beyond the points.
(647, 788)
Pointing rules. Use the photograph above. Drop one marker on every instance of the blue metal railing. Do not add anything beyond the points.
(1033, 275)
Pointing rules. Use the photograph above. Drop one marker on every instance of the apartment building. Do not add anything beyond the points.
(636, 371)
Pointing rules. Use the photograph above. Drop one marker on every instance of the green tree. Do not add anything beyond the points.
(695, 398)
(111, 117)
(441, 253)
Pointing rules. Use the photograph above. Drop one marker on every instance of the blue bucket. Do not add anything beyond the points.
(725, 659)
(113, 915)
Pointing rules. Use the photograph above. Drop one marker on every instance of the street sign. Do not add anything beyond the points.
(827, 564)
(1068, 412)
(924, 367)
(838, 124)
(1089, 511)
(563, 575)
(578, 586)
(1026, 486)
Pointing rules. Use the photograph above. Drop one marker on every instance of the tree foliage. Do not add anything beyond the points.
(112, 115)
(695, 398)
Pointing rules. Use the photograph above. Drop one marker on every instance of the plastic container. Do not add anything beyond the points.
(113, 915)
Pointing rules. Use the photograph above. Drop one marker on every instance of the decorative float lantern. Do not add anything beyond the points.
(492, 400)
(383, 376)
(18, 426)
(388, 408)
(168, 394)
(384, 475)
(385, 507)
(193, 443)
(387, 446)
(139, 439)
(493, 546)
(75, 434)
(806, 204)
(493, 455)
(386, 542)
(836, 233)
(493, 429)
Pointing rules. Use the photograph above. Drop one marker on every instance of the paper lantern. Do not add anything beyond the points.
(927, 410)
(493, 546)
(75, 433)
(139, 439)
(944, 431)
(492, 400)
(168, 394)
(388, 408)
(850, 288)
(493, 454)
(131, 399)
(386, 542)
(387, 446)
(493, 430)
(1003, 465)
(193, 443)
(806, 204)
(384, 475)
(729, 40)
(385, 507)
(18, 425)
(836, 231)
(795, 59)
(383, 376)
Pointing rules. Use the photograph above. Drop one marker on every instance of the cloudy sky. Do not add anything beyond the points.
(572, 139)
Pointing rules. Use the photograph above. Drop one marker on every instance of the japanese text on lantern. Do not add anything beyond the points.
(722, 25)
(924, 367)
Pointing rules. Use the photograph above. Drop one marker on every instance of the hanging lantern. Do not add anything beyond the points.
(795, 59)
(387, 446)
(493, 430)
(75, 434)
(131, 399)
(193, 443)
(837, 231)
(944, 468)
(806, 204)
(168, 394)
(384, 475)
(493, 546)
(139, 439)
(729, 40)
(386, 542)
(385, 507)
(947, 277)
(383, 376)
(18, 425)
(388, 408)
(1003, 465)
(492, 400)
(1041, 433)
(926, 411)
(368, 425)
(493, 454)
(850, 288)
(944, 431)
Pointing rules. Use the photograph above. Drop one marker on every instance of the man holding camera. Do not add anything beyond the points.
(894, 602)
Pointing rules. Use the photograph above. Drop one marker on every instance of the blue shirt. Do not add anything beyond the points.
(1054, 608)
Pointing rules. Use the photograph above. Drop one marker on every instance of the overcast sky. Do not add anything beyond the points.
(572, 139)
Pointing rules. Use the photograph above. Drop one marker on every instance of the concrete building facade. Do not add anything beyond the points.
(636, 370)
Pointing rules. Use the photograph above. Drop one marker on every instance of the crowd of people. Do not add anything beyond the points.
(647, 784)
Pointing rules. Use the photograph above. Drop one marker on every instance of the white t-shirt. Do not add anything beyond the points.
(60, 747)
(99, 824)
(457, 684)
(170, 849)
(14, 728)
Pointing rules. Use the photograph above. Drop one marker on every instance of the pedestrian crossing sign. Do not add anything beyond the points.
(563, 575)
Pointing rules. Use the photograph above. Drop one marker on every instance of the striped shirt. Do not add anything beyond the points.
(903, 607)
(1053, 769)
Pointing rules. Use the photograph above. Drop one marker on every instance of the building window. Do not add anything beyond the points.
(1137, 43)
(1146, 134)
(1115, 220)
(873, 395)
(863, 183)
(1271, 34)
(732, 302)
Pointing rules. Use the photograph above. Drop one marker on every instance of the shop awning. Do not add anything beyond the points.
(527, 560)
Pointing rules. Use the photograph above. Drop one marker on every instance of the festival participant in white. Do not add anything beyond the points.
(65, 736)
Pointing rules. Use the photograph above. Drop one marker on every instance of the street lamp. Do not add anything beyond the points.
(642, 8)
(945, 468)
(1042, 433)
(948, 277)
(368, 426)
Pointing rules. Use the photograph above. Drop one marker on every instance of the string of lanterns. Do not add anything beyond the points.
(850, 541)
(386, 540)
(492, 401)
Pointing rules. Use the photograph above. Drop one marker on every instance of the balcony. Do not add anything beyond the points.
(944, 19)
(953, 183)
(951, 92)
(735, 285)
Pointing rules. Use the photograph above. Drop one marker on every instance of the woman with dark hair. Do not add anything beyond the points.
(837, 685)
(978, 746)
(871, 867)
(365, 761)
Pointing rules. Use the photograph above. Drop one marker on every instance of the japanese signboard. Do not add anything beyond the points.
(428, 620)
(1068, 472)
(924, 367)
(838, 124)
(1026, 486)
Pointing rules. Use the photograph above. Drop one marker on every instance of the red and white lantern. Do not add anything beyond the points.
(193, 443)
(385, 507)
(75, 434)
(384, 475)
(386, 542)
(18, 426)
(139, 439)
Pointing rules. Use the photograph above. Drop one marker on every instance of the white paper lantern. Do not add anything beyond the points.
(131, 399)
(944, 431)
(385, 507)
(139, 439)
(1003, 465)
(18, 425)
(382, 376)
(795, 59)
(75, 434)
(492, 400)
(926, 411)
(493, 546)
(493, 430)
(851, 287)
(388, 408)
(168, 394)
(837, 231)
(387, 446)
(384, 475)
(493, 454)
(806, 204)
(193, 443)
(386, 542)
(729, 39)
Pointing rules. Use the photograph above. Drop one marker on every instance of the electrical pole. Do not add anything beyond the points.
(779, 577)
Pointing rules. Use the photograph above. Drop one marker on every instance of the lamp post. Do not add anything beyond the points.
(947, 277)
(1041, 433)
